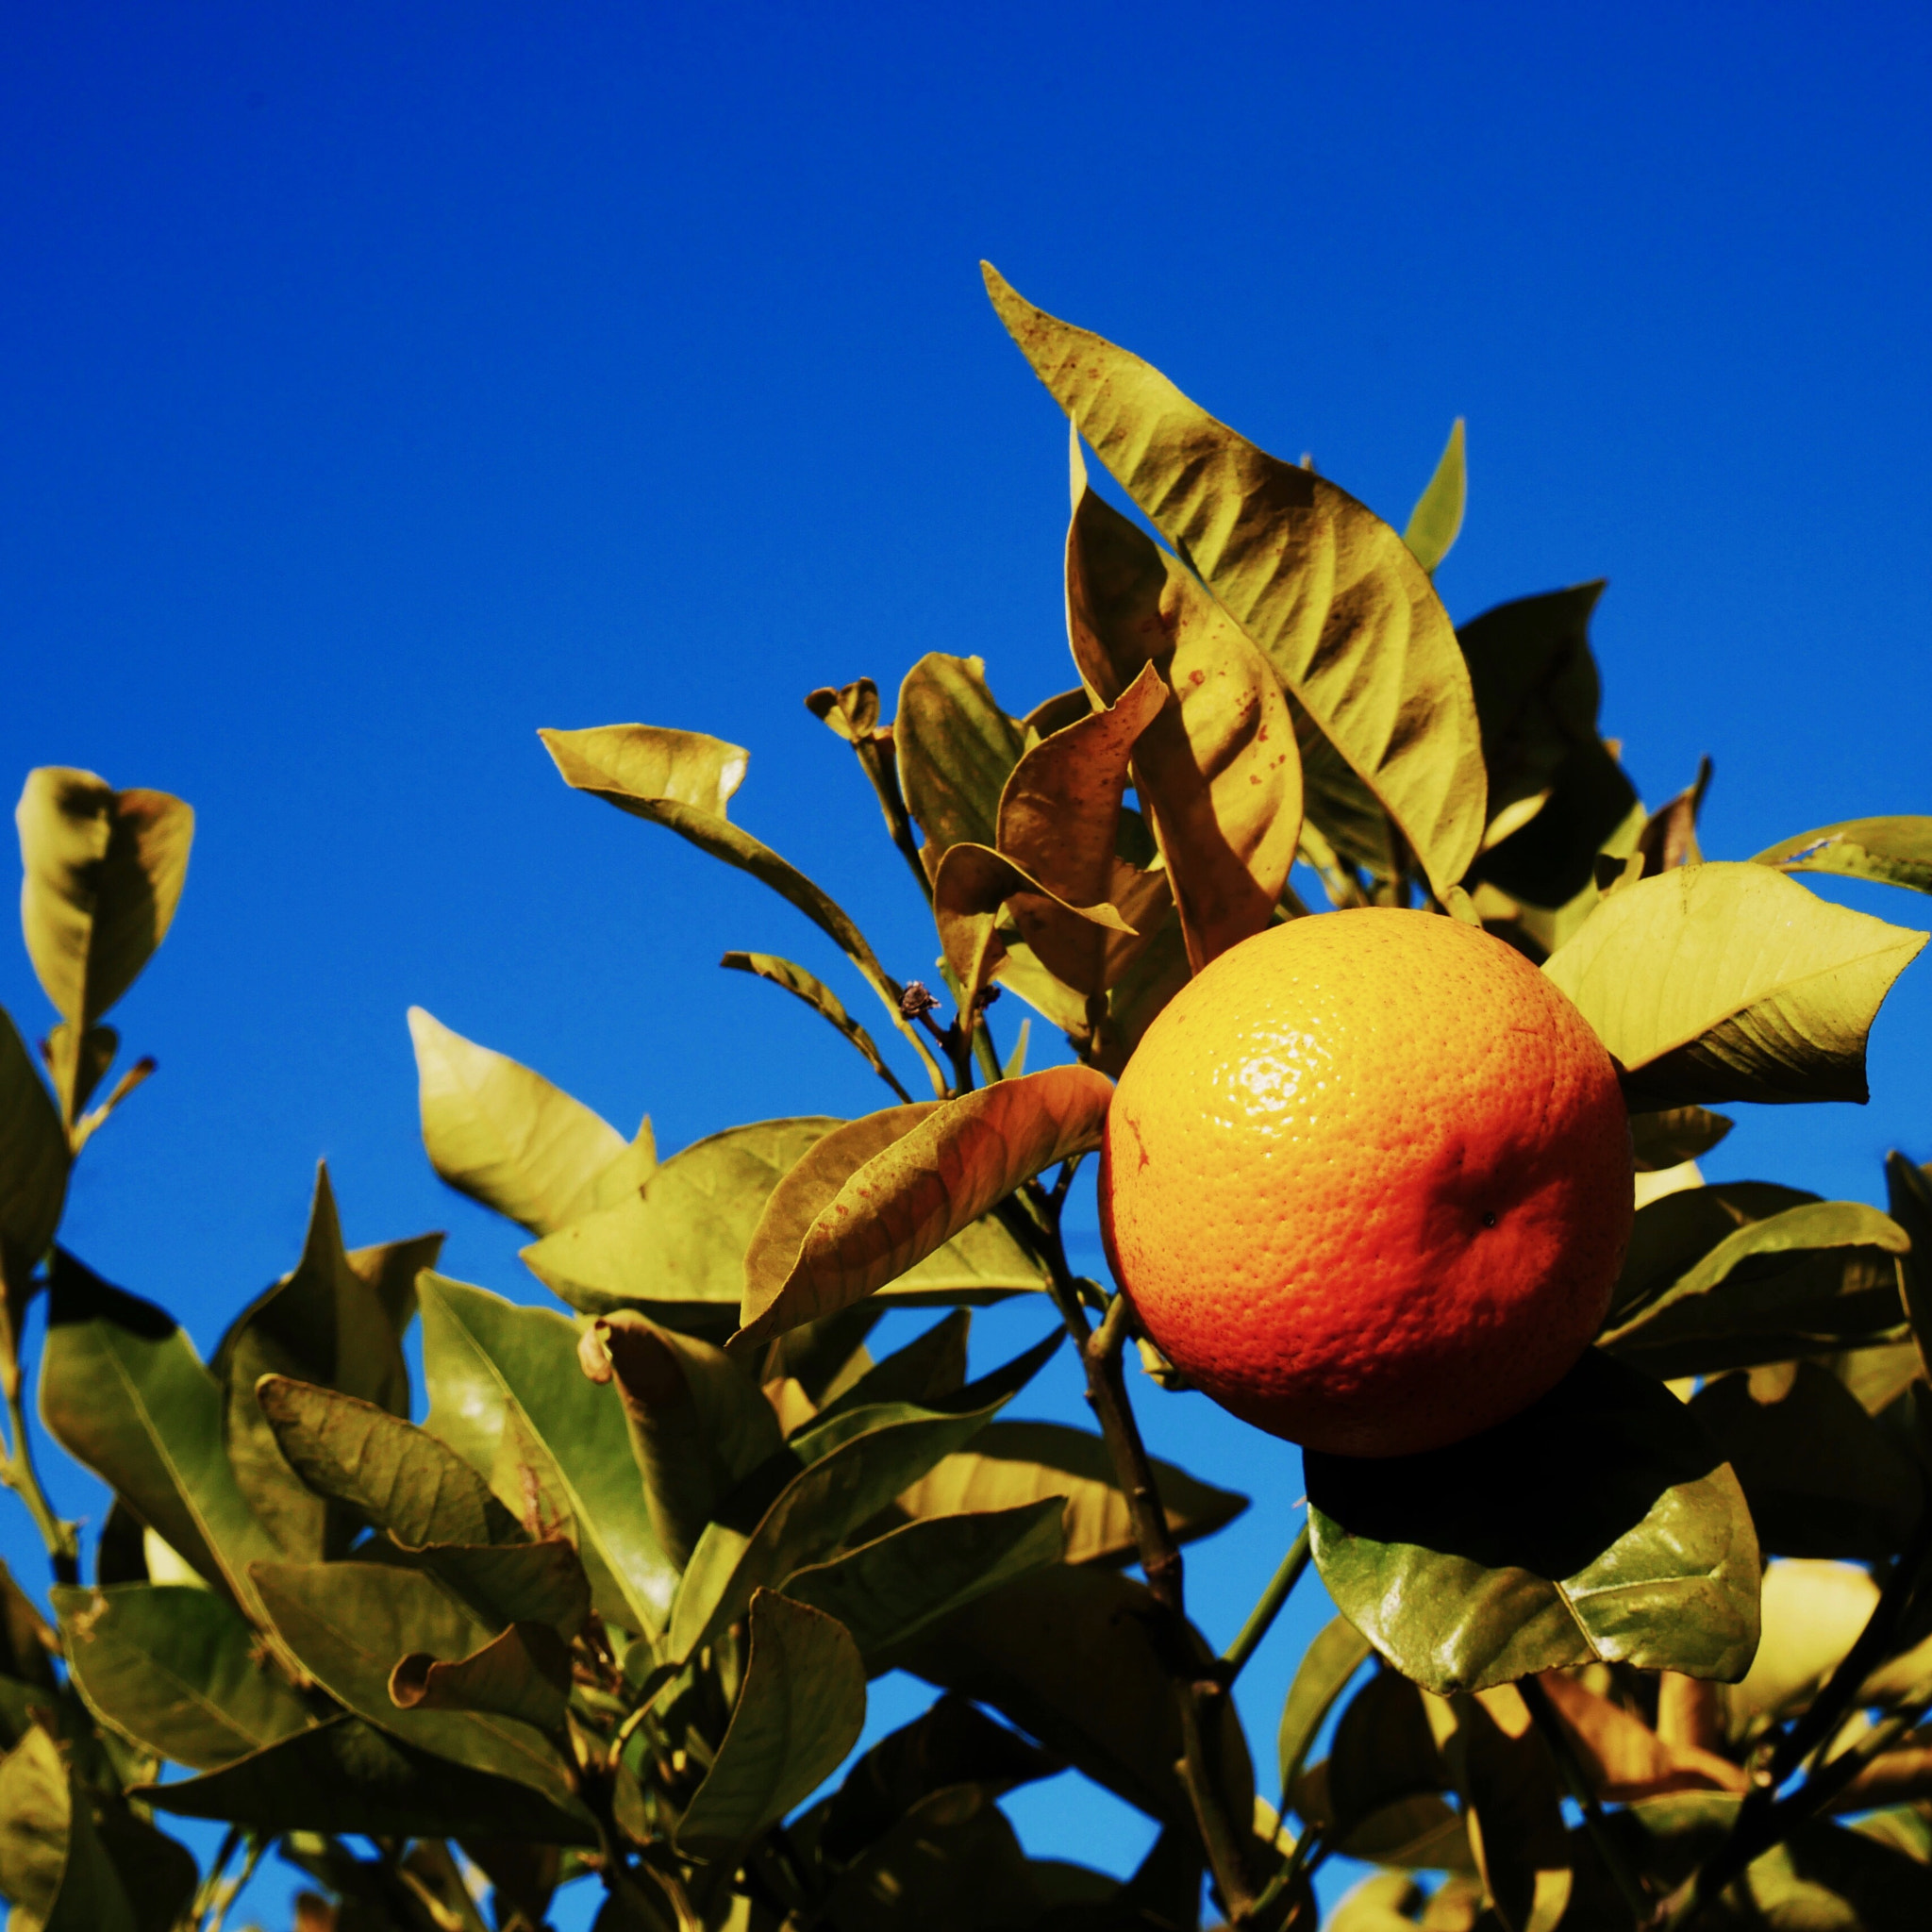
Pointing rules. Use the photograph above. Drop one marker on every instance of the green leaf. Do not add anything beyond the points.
(508, 1394)
(875, 1198)
(799, 1711)
(1599, 1524)
(956, 748)
(930, 1368)
(856, 1465)
(523, 1672)
(324, 1325)
(1909, 1193)
(177, 1672)
(1835, 1880)
(1011, 1463)
(1436, 521)
(506, 1137)
(104, 873)
(1731, 982)
(698, 1424)
(1672, 1234)
(1327, 1670)
(1666, 1139)
(395, 1476)
(1384, 1751)
(1536, 695)
(1813, 1613)
(52, 1864)
(27, 1646)
(1514, 1805)
(1217, 769)
(123, 1391)
(512, 1583)
(1811, 1277)
(1331, 596)
(33, 1168)
(886, 1592)
(1074, 1658)
(1823, 1479)
(684, 780)
(352, 1776)
(821, 999)
(1895, 851)
(350, 1623)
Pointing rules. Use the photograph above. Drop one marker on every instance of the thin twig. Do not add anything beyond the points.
(18, 1472)
(1268, 1606)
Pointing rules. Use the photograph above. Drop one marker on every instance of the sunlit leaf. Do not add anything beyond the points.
(1436, 521)
(123, 1391)
(1217, 767)
(523, 1672)
(508, 1395)
(1897, 851)
(396, 1476)
(864, 1208)
(799, 1712)
(1073, 1655)
(352, 1623)
(821, 999)
(104, 873)
(1623, 1758)
(349, 1775)
(1813, 1613)
(886, 1592)
(177, 1672)
(1600, 1523)
(1823, 1479)
(1329, 593)
(856, 1463)
(684, 780)
(698, 1422)
(1731, 982)
(957, 748)
(323, 1324)
(1824, 1875)
(506, 1137)
(1011, 1463)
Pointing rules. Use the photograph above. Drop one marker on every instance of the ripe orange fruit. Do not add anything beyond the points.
(1366, 1181)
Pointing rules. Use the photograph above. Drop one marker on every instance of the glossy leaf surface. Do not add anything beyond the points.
(1599, 1523)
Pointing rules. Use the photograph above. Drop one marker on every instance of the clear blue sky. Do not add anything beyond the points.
(382, 383)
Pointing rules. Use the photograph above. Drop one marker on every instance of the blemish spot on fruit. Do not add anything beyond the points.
(1488, 1218)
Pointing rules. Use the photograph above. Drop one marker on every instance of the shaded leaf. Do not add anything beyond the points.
(1437, 519)
(324, 1325)
(1731, 982)
(1669, 838)
(799, 1712)
(1623, 1758)
(1673, 1233)
(352, 1776)
(350, 1622)
(506, 1137)
(864, 1207)
(104, 873)
(395, 1476)
(1666, 1139)
(1327, 1670)
(1908, 1194)
(1073, 1657)
(684, 780)
(1896, 851)
(1827, 1879)
(1217, 767)
(123, 1391)
(699, 1425)
(27, 1646)
(1330, 595)
(821, 998)
(508, 1395)
(33, 1175)
(512, 1583)
(1508, 1780)
(956, 748)
(856, 1465)
(52, 1864)
(889, 1590)
(1383, 1750)
(1600, 1523)
(522, 1673)
(1011, 1463)
(177, 1672)
(1823, 1479)
(930, 1368)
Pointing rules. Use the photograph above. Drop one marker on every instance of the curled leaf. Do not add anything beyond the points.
(1329, 594)
(523, 1672)
(879, 1195)
(956, 748)
(1436, 521)
(1896, 851)
(821, 999)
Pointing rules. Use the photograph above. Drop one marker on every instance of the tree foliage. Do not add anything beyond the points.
(610, 1608)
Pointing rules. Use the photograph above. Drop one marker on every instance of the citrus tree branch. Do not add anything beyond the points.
(18, 1472)
(1262, 1618)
